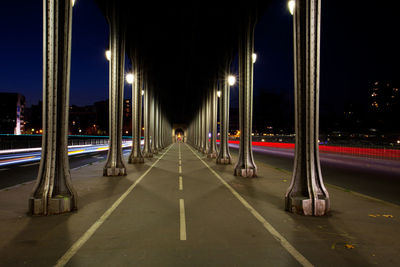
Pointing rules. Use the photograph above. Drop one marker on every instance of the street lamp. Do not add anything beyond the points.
(254, 57)
(108, 55)
(291, 6)
(219, 93)
(129, 78)
(231, 80)
(142, 92)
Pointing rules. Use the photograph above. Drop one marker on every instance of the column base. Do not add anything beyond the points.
(135, 160)
(212, 155)
(304, 206)
(224, 161)
(148, 155)
(114, 171)
(246, 172)
(56, 205)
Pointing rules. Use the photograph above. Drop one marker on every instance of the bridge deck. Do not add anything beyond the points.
(208, 217)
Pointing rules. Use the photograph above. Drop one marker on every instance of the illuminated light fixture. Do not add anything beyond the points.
(142, 92)
(219, 93)
(291, 6)
(108, 55)
(129, 78)
(73, 2)
(254, 57)
(231, 80)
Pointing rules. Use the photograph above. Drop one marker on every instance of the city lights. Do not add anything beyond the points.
(108, 55)
(291, 6)
(129, 78)
(231, 80)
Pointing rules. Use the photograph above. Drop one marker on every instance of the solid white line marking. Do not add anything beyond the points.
(180, 169)
(283, 241)
(85, 237)
(6, 169)
(182, 219)
(180, 183)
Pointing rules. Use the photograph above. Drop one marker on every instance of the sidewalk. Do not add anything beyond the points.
(145, 229)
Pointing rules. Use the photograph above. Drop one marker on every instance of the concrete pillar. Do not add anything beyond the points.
(53, 192)
(212, 153)
(136, 153)
(307, 194)
(224, 156)
(147, 152)
(114, 164)
(245, 166)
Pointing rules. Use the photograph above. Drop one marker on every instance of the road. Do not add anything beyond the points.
(373, 177)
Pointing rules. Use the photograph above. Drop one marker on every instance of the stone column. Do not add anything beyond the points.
(53, 192)
(224, 156)
(212, 153)
(245, 166)
(147, 153)
(307, 194)
(136, 153)
(114, 164)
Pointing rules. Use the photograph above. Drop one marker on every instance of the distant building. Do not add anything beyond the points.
(384, 97)
(12, 110)
(384, 106)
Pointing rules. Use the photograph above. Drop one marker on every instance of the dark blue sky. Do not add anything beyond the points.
(358, 46)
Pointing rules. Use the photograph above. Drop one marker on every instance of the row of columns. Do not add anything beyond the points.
(306, 194)
(53, 192)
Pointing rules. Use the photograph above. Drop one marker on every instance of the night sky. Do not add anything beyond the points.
(358, 46)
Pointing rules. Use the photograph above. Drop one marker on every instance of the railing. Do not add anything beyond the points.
(11, 141)
(356, 145)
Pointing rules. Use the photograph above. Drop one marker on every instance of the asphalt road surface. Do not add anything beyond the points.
(373, 177)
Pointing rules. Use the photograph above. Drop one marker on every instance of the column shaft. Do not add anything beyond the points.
(245, 166)
(212, 153)
(136, 153)
(307, 194)
(53, 192)
(224, 156)
(114, 164)
(147, 153)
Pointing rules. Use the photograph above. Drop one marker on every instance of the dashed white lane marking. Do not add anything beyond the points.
(180, 169)
(180, 162)
(85, 237)
(180, 183)
(182, 220)
(283, 241)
